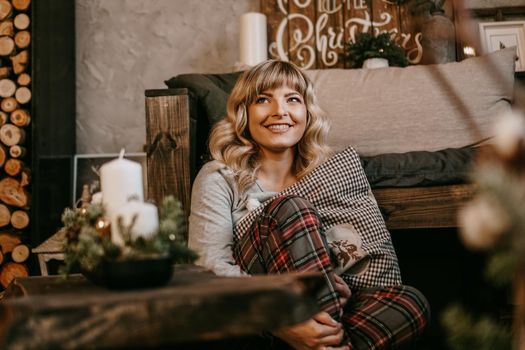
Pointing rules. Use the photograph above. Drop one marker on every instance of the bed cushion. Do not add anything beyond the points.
(420, 168)
(396, 110)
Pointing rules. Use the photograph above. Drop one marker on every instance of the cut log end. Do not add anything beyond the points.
(8, 241)
(20, 253)
(13, 193)
(23, 95)
(21, 5)
(17, 151)
(3, 156)
(25, 178)
(24, 79)
(5, 215)
(20, 219)
(4, 72)
(10, 271)
(11, 135)
(8, 104)
(7, 88)
(13, 167)
(22, 21)
(20, 117)
(6, 28)
(4, 117)
(7, 46)
(19, 61)
(5, 9)
(22, 39)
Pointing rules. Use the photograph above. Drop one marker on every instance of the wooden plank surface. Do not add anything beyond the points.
(301, 33)
(167, 138)
(357, 18)
(386, 15)
(422, 207)
(276, 12)
(330, 35)
(195, 306)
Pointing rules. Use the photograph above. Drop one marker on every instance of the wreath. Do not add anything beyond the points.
(88, 242)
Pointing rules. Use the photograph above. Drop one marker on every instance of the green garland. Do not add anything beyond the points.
(368, 46)
(88, 244)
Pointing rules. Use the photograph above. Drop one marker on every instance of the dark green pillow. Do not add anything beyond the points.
(211, 91)
(419, 168)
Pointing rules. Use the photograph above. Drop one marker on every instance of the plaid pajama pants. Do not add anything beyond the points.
(287, 237)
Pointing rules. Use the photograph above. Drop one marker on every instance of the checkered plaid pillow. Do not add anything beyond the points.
(340, 192)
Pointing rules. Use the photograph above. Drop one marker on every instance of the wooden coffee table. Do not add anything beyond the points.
(47, 312)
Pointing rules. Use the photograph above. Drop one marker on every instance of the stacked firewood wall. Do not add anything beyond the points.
(15, 119)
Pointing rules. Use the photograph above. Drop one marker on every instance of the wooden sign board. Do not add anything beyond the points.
(313, 33)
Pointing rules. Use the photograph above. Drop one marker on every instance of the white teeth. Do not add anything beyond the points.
(279, 127)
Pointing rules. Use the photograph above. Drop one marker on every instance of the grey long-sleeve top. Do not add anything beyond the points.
(216, 206)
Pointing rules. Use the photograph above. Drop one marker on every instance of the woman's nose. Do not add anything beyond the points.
(280, 108)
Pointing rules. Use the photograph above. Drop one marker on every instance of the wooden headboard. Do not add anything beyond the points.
(312, 33)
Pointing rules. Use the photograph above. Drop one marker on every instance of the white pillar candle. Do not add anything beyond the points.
(120, 181)
(147, 222)
(96, 198)
(253, 42)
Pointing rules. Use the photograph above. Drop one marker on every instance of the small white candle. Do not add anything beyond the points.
(253, 40)
(147, 222)
(120, 181)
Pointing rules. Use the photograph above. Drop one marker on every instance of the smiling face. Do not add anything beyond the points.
(277, 120)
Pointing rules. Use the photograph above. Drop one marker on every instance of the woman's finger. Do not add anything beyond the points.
(324, 318)
(332, 340)
(342, 288)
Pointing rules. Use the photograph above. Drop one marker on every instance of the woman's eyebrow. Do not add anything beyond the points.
(269, 94)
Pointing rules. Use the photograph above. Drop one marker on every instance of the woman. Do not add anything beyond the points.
(273, 135)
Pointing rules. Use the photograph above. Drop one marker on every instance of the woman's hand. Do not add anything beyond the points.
(319, 332)
(342, 288)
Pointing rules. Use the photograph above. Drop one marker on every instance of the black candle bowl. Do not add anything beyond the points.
(131, 273)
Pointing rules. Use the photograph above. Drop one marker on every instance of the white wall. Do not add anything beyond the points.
(127, 46)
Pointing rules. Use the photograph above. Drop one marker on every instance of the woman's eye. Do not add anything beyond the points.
(294, 99)
(261, 100)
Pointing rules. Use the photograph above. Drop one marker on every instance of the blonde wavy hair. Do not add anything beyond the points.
(230, 141)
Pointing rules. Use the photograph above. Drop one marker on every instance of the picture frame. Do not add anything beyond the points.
(498, 35)
(87, 166)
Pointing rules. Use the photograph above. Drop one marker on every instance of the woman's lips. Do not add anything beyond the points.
(279, 127)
